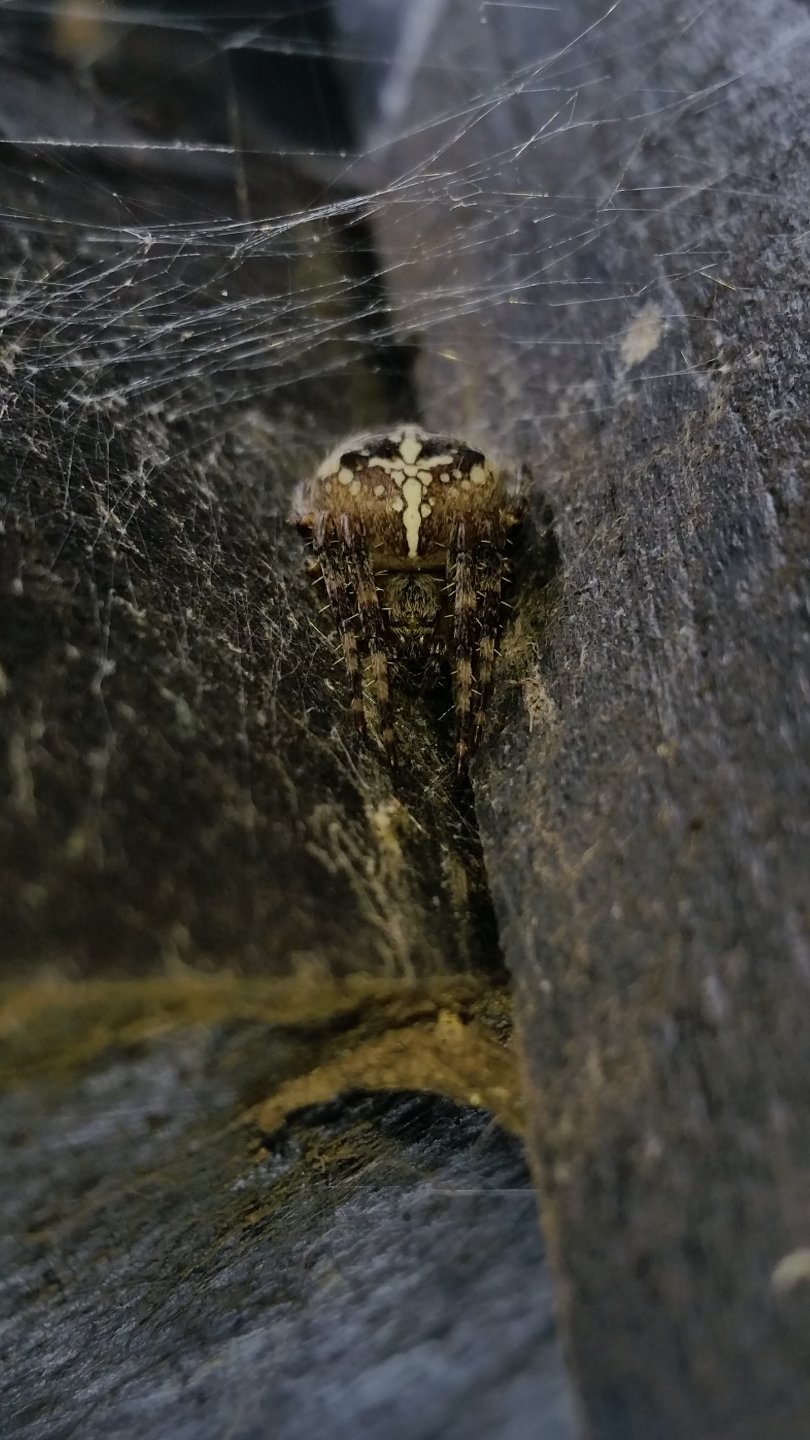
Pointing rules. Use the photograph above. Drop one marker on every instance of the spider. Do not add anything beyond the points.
(399, 523)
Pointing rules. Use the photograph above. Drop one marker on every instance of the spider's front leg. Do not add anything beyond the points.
(372, 624)
(328, 548)
(475, 575)
(461, 580)
(489, 573)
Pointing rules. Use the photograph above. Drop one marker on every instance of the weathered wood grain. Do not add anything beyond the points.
(640, 336)
(602, 249)
(161, 1278)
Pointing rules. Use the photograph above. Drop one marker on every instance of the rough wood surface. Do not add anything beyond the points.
(623, 306)
(645, 810)
(360, 1272)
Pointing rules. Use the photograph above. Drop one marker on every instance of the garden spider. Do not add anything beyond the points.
(405, 527)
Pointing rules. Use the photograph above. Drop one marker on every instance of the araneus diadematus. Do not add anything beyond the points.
(410, 532)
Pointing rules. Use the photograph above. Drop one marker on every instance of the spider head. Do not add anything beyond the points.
(413, 601)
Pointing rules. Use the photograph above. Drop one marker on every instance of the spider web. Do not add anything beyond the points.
(257, 299)
(507, 217)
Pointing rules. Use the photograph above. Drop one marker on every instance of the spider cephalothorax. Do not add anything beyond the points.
(410, 532)
(413, 602)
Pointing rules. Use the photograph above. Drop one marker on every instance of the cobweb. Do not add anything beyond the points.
(231, 234)
(270, 237)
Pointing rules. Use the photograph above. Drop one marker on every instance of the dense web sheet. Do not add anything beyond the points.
(155, 293)
(525, 224)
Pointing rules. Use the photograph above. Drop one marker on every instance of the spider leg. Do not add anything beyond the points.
(489, 567)
(461, 578)
(372, 623)
(339, 588)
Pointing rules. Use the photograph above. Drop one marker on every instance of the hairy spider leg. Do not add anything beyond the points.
(372, 626)
(489, 572)
(461, 579)
(337, 577)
